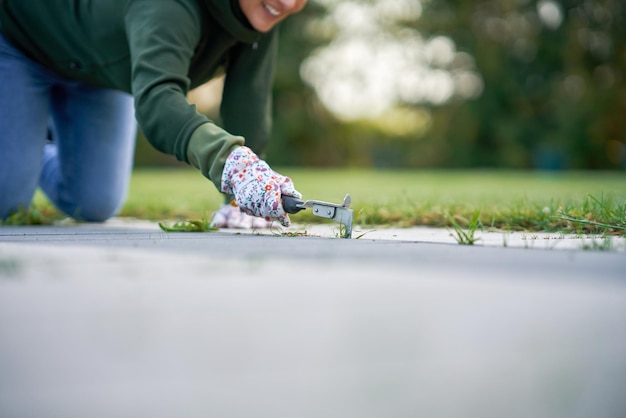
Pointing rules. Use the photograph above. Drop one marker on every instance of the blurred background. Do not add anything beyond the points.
(519, 84)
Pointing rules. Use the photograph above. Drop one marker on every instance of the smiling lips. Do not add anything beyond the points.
(271, 10)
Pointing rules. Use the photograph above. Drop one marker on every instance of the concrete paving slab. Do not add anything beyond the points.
(122, 228)
(125, 320)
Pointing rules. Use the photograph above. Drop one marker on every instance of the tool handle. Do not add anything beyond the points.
(290, 204)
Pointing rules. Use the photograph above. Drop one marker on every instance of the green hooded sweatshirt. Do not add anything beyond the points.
(158, 50)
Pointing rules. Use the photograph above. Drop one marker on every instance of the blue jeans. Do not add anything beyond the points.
(86, 168)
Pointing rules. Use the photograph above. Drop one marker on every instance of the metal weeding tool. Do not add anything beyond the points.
(339, 213)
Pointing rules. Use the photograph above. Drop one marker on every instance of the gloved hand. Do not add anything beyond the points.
(229, 216)
(256, 187)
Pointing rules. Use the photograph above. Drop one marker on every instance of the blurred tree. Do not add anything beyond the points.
(451, 83)
(302, 127)
(352, 77)
(553, 94)
(555, 91)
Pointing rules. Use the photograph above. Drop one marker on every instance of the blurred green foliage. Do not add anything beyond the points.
(553, 97)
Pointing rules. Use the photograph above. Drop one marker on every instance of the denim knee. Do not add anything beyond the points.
(94, 209)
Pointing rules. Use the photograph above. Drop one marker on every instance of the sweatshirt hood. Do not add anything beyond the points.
(229, 15)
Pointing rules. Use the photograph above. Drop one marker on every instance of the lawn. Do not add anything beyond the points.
(577, 202)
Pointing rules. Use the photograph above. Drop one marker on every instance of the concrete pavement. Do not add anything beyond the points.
(125, 320)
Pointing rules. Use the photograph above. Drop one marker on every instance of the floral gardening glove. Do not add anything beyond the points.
(256, 187)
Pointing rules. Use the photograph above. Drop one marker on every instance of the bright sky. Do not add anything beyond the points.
(371, 66)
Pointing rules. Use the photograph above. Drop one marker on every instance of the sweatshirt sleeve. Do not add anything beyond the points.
(161, 53)
(246, 107)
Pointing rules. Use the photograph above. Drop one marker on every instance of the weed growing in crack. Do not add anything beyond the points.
(465, 236)
(202, 225)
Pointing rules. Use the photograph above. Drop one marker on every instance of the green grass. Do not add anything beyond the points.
(576, 202)
(466, 236)
(188, 225)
